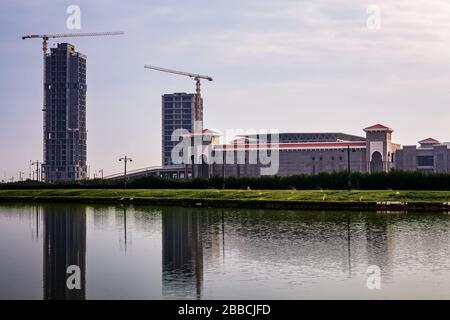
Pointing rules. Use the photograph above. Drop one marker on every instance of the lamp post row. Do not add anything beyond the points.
(38, 176)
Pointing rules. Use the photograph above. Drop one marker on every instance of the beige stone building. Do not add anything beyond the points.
(312, 153)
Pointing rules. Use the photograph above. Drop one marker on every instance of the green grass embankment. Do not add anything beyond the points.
(283, 199)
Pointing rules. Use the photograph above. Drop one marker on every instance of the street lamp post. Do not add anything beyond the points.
(101, 172)
(349, 172)
(36, 163)
(223, 169)
(125, 159)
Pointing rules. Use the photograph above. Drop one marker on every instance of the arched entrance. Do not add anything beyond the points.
(376, 163)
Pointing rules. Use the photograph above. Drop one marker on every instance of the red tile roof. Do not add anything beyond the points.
(377, 127)
(429, 141)
(206, 132)
(287, 146)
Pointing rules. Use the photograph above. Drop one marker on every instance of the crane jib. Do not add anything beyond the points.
(182, 73)
(67, 35)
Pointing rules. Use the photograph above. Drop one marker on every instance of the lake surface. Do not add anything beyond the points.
(140, 252)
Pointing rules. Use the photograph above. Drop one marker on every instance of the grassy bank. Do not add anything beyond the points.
(376, 199)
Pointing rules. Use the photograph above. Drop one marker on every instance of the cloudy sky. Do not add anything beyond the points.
(292, 65)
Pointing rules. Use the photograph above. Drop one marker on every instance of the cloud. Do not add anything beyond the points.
(411, 31)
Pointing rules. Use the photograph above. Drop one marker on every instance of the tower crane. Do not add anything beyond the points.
(46, 37)
(194, 76)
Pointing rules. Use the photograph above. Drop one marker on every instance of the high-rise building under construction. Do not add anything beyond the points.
(64, 114)
(179, 111)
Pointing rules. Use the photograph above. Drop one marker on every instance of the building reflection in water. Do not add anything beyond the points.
(64, 245)
(379, 242)
(182, 253)
(349, 247)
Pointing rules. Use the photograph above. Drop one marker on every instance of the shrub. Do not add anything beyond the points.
(398, 180)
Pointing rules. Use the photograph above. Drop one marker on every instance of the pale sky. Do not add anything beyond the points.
(291, 65)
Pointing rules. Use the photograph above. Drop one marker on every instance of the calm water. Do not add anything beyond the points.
(139, 252)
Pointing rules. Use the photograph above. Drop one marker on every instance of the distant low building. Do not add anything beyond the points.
(301, 153)
(430, 156)
(312, 153)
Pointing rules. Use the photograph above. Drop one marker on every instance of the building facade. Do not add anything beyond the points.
(179, 111)
(430, 156)
(312, 153)
(65, 134)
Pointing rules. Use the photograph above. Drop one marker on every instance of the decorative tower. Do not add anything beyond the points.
(379, 148)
